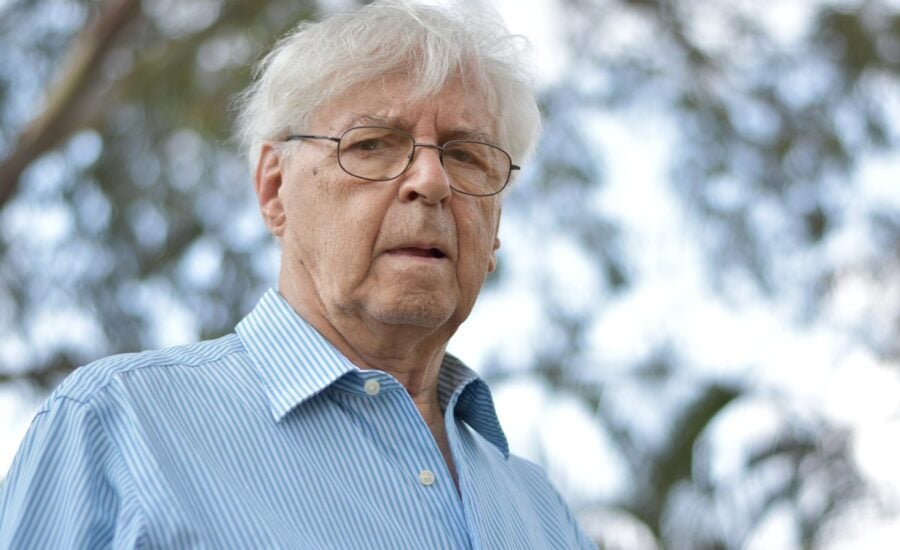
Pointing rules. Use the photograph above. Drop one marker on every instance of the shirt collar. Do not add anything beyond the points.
(462, 391)
(295, 363)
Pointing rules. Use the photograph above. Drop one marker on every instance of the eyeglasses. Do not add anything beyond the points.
(376, 153)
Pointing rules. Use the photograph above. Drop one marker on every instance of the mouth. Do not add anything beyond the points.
(419, 252)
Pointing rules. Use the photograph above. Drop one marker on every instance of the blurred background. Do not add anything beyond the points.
(695, 324)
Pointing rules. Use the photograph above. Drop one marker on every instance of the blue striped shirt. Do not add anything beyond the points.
(270, 438)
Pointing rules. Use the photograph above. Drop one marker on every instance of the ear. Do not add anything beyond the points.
(267, 183)
(492, 263)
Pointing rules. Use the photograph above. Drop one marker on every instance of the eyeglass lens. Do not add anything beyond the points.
(383, 153)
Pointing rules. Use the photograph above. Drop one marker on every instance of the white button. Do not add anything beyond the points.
(426, 477)
(372, 386)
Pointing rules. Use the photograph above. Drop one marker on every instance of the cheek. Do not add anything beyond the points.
(335, 234)
(480, 234)
(310, 235)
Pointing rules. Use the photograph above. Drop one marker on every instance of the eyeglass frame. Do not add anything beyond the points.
(411, 158)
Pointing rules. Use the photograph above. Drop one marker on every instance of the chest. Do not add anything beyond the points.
(342, 471)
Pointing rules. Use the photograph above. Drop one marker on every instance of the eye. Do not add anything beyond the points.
(461, 155)
(469, 154)
(372, 144)
(375, 141)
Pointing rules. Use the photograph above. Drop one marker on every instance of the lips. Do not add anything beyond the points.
(420, 250)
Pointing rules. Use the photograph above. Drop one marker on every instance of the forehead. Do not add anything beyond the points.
(455, 109)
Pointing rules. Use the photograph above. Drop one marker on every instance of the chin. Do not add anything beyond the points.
(413, 311)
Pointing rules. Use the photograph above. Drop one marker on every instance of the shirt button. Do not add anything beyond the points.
(372, 386)
(426, 477)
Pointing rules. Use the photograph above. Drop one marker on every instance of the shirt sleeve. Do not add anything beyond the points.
(64, 487)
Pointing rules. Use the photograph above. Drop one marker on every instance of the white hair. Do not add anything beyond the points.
(430, 45)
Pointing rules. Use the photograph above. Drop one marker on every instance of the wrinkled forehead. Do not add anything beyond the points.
(461, 108)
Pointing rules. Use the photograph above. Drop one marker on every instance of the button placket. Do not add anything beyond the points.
(423, 453)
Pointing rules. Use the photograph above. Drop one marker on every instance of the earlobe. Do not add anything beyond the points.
(492, 263)
(267, 183)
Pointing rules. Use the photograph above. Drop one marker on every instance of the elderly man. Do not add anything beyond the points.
(381, 141)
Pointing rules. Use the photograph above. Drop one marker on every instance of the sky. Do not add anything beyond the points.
(821, 366)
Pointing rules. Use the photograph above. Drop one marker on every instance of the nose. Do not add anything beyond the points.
(426, 178)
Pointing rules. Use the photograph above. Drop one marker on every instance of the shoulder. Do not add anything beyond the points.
(86, 382)
(554, 513)
(536, 482)
(530, 471)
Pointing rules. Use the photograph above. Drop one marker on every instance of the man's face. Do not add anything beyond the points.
(366, 249)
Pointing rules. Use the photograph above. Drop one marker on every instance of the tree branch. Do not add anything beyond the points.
(61, 114)
(45, 376)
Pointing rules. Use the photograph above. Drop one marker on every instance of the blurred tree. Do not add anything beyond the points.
(771, 124)
(124, 208)
(126, 216)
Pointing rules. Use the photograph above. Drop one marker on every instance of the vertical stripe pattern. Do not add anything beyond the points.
(270, 438)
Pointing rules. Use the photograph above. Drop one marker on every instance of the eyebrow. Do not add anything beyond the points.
(471, 135)
(451, 135)
(370, 119)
